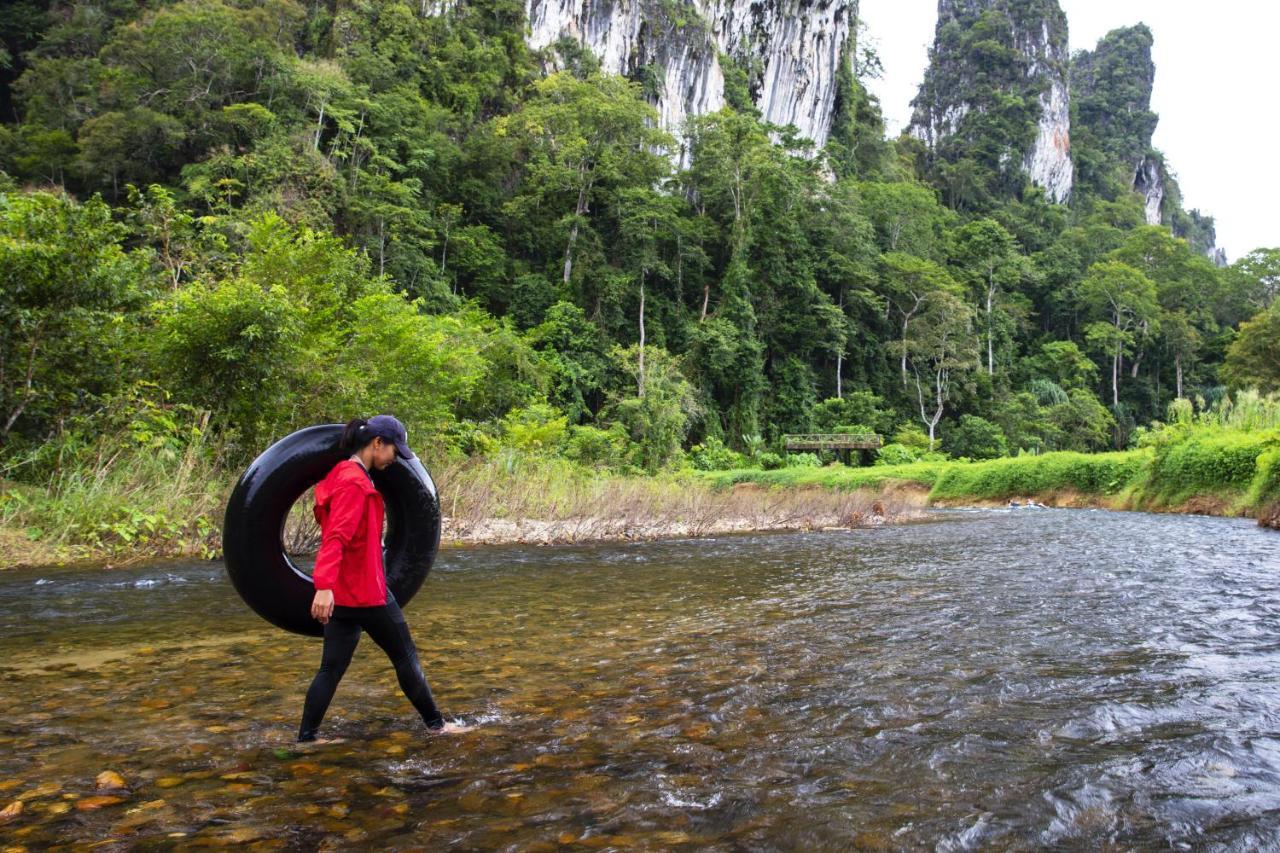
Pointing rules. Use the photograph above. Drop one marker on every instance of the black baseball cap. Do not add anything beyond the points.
(390, 429)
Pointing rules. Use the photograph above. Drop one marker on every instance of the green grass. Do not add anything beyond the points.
(1100, 474)
(1218, 467)
(1206, 462)
(132, 503)
(834, 477)
(125, 504)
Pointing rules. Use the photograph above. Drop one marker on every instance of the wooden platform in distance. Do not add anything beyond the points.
(833, 441)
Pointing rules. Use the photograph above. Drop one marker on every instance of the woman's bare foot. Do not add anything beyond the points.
(321, 741)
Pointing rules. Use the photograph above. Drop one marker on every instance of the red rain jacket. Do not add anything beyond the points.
(349, 510)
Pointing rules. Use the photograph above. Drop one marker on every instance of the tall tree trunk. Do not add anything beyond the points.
(840, 357)
(991, 361)
(382, 246)
(905, 319)
(640, 372)
(1177, 363)
(584, 190)
(1115, 377)
(319, 127)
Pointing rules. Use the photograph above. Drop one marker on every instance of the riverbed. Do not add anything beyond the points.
(1009, 679)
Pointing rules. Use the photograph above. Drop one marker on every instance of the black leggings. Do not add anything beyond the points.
(388, 629)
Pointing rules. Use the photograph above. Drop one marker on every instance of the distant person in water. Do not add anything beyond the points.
(351, 584)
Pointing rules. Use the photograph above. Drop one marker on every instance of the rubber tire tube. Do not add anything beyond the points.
(253, 527)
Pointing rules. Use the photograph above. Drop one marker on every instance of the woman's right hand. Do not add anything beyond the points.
(322, 605)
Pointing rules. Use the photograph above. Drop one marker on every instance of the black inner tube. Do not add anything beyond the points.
(253, 527)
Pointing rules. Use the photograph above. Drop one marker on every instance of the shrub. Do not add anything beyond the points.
(912, 436)
(594, 447)
(803, 460)
(897, 454)
(1265, 488)
(976, 438)
(770, 461)
(713, 455)
(534, 429)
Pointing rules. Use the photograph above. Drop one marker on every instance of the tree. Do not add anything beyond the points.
(1259, 274)
(645, 218)
(657, 420)
(1082, 422)
(1253, 359)
(578, 358)
(1124, 300)
(580, 137)
(976, 438)
(906, 216)
(70, 296)
(1064, 364)
(909, 282)
(940, 349)
(986, 256)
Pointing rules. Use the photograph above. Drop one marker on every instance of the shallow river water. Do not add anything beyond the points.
(993, 679)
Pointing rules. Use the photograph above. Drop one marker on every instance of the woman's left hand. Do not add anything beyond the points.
(322, 605)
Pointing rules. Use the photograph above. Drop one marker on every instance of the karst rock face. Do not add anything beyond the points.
(1112, 87)
(790, 51)
(987, 51)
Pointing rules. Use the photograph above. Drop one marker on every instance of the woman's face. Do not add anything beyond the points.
(384, 453)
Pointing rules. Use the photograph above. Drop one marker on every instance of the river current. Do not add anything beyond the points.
(989, 679)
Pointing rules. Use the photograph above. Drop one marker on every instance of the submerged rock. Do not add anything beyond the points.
(109, 780)
(89, 804)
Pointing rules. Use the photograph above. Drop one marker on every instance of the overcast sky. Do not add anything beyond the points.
(1217, 66)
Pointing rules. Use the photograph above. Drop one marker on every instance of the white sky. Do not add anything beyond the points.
(1217, 66)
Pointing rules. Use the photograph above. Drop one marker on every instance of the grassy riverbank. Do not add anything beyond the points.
(115, 510)
(119, 507)
(1217, 472)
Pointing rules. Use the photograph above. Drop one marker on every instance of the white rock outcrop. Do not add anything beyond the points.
(1040, 36)
(1049, 160)
(791, 49)
(1149, 181)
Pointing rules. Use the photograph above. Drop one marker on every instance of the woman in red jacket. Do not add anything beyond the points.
(351, 586)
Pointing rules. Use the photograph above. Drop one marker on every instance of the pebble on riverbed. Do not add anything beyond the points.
(109, 780)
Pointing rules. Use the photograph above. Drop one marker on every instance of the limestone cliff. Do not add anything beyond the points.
(1111, 88)
(997, 84)
(790, 51)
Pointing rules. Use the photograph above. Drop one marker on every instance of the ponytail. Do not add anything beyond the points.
(354, 436)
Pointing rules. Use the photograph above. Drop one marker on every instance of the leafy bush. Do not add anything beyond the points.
(912, 436)
(713, 455)
(1265, 488)
(770, 461)
(803, 460)
(594, 447)
(897, 454)
(534, 429)
(976, 438)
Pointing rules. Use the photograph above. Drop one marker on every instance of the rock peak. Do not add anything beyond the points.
(996, 67)
(791, 51)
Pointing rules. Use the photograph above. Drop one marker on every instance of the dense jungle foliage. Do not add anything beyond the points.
(227, 219)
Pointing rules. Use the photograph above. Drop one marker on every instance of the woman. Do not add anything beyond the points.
(351, 585)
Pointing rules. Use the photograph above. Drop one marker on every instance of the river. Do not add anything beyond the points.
(1009, 679)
